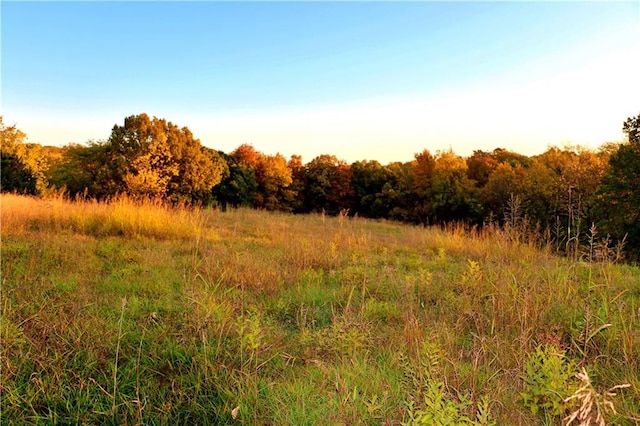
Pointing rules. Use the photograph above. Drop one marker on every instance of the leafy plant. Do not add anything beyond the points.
(548, 379)
(439, 410)
(249, 331)
(431, 404)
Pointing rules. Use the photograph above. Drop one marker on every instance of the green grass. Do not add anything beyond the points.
(141, 313)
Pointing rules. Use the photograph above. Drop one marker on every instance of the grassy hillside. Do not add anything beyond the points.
(128, 313)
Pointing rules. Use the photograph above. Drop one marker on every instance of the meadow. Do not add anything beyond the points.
(128, 312)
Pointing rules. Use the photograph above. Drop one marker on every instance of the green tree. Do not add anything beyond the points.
(23, 164)
(296, 192)
(539, 194)
(319, 173)
(503, 182)
(86, 170)
(238, 186)
(420, 199)
(328, 185)
(618, 204)
(631, 128)
(512, 158)
(15, 176)
(368, 180)
(398, 194)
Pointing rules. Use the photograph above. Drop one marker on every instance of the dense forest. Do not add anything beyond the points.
(563, 196)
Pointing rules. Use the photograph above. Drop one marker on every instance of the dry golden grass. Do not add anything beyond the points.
(120, 217)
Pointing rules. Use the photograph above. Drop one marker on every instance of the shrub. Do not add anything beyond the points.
(549, 380)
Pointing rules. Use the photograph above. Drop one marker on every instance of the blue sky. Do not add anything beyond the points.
(361, 80)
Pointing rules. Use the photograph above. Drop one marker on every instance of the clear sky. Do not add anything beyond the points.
(360, 80)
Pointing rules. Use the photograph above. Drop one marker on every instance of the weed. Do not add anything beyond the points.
(115, 364)
(430, 403)
(248, 327)
(282, 319)
(548, 380)
(593, 406)
(440, 410)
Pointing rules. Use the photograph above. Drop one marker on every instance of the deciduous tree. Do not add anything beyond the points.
(238, 186)
(153, 157)
(328, 185)
(503, 182)
(368, 179)
(273, 178)
(87, 170)
(422, 178)
(295, 195)
(480, 166)
(619, 191)
(23, 164)
(452, 193)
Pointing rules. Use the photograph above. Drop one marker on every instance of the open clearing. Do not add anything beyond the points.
(138, 313)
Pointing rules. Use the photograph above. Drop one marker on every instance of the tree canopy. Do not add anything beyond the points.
(619, 190)
(561, 191)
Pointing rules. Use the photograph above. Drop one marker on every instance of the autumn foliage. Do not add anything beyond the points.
(562, 192)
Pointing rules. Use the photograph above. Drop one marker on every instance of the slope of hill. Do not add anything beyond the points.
(140, 313)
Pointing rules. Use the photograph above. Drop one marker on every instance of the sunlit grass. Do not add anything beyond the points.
(122, 216)
(286, 319)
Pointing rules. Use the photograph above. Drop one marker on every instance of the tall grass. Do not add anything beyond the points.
(122, 216)
(265, 318)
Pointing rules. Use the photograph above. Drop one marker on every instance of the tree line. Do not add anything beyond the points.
(562, 192)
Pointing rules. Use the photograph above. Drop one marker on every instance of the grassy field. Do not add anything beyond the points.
(137, 313)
